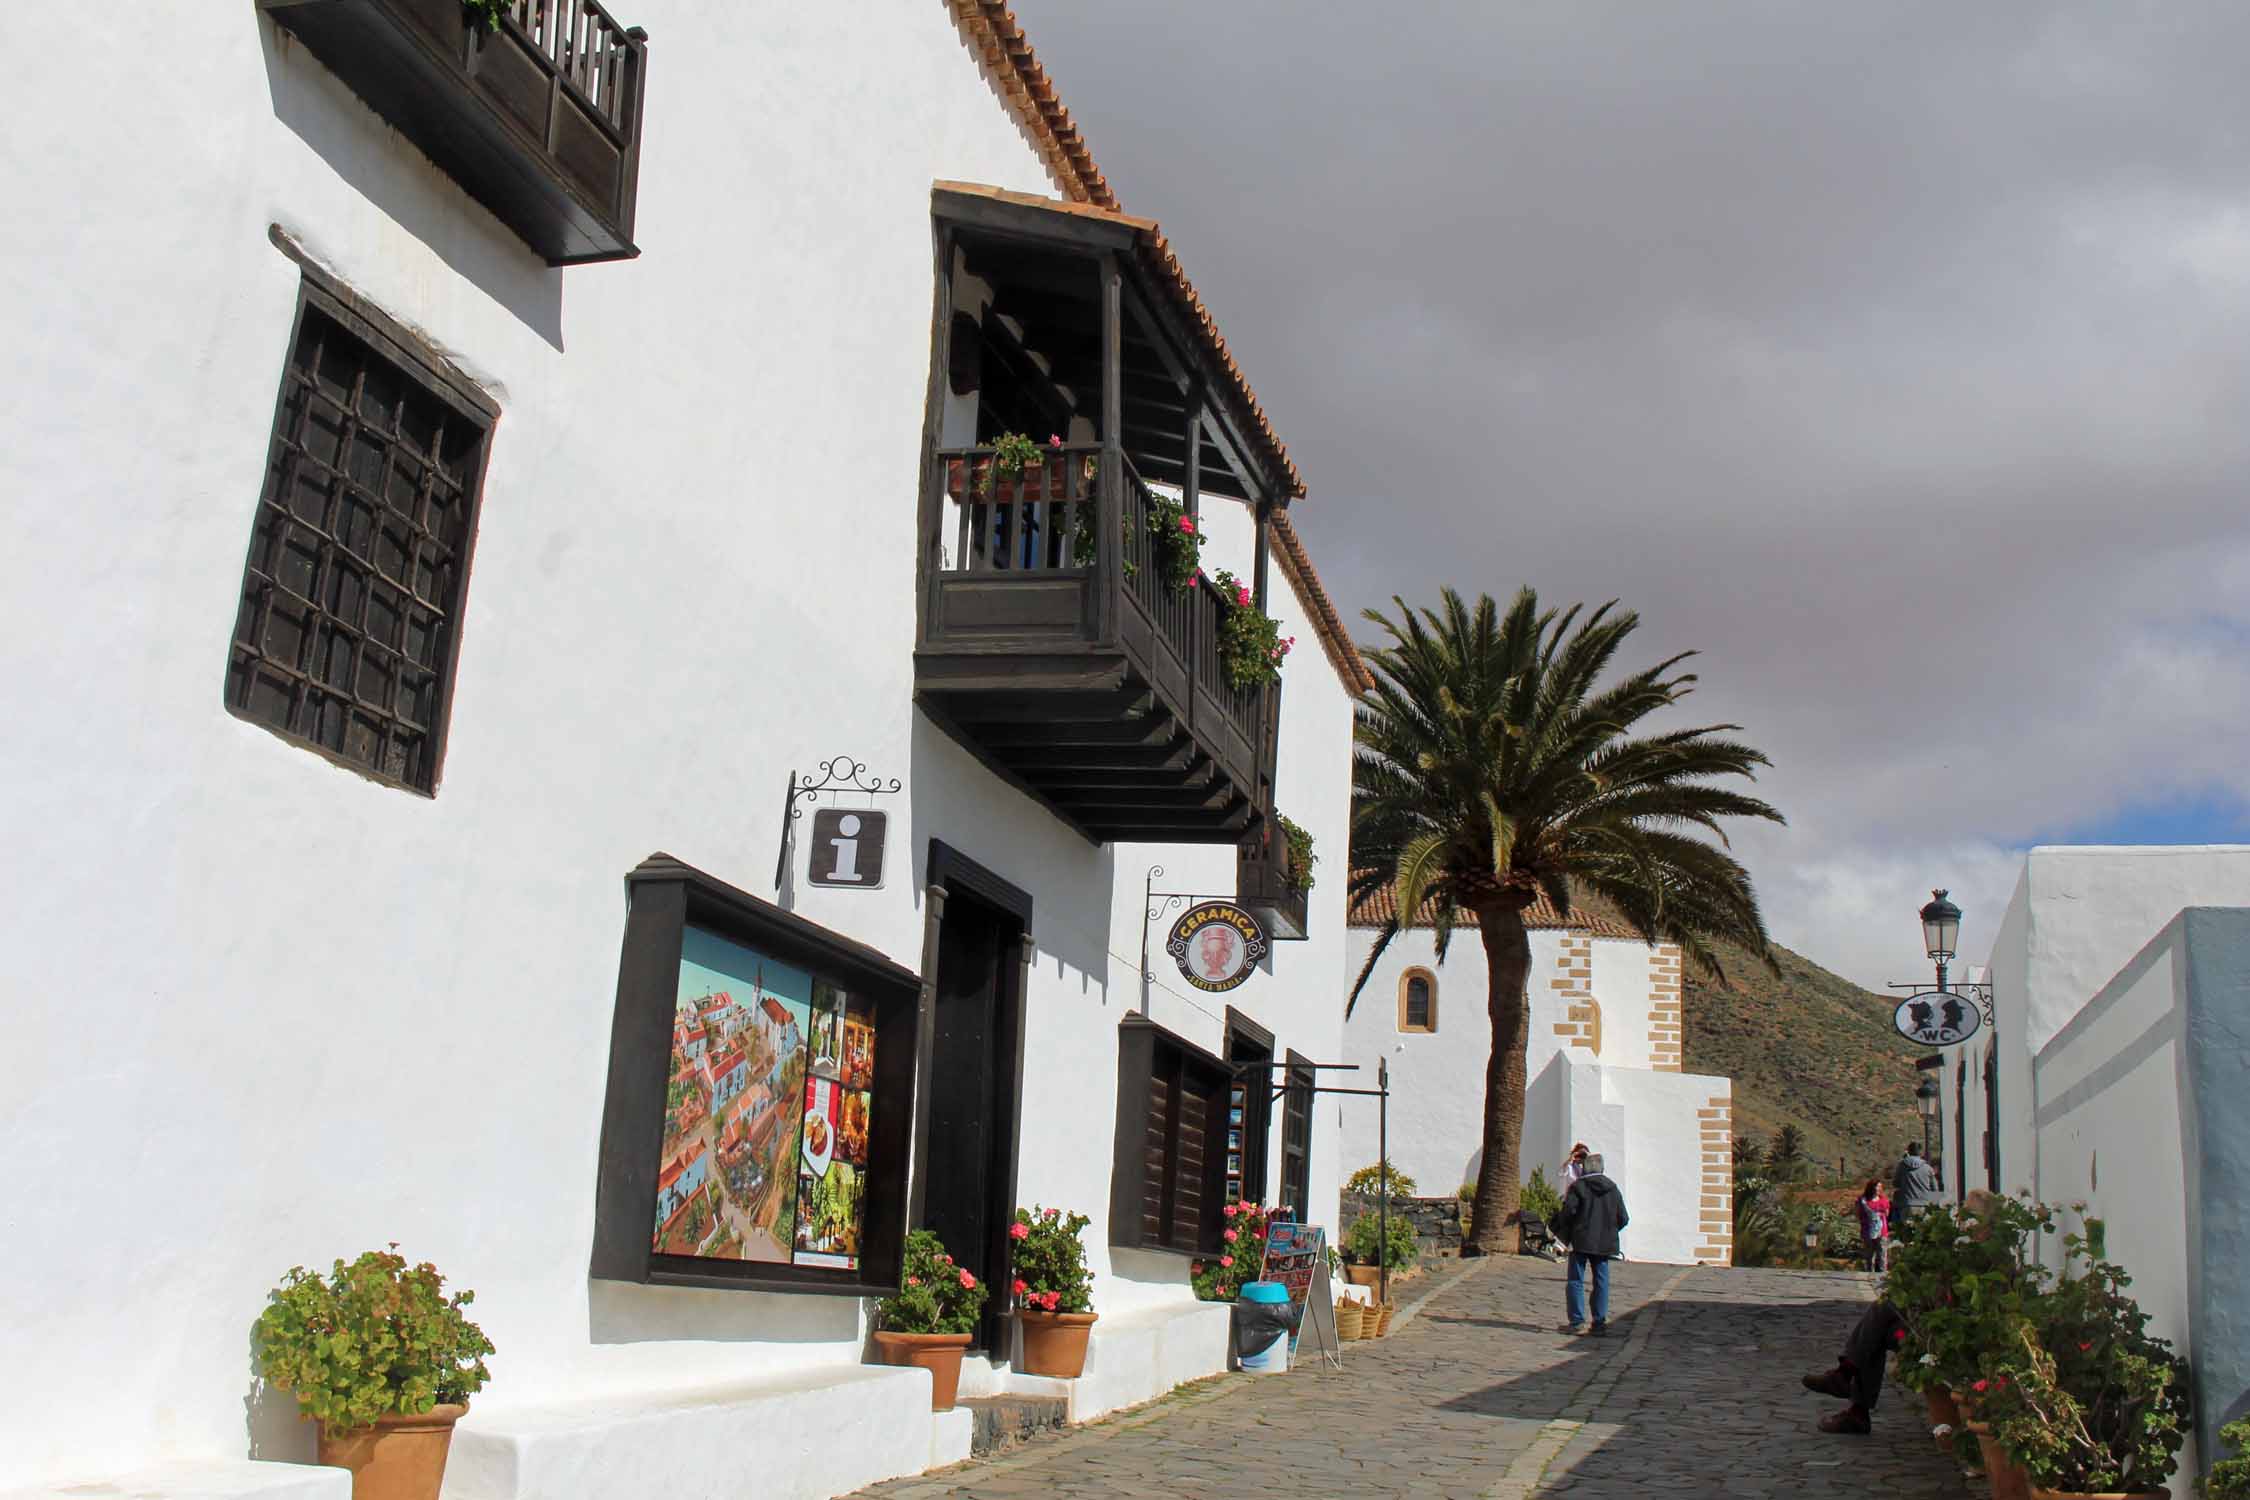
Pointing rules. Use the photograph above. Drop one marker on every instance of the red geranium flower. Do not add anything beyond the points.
(1018, 1230)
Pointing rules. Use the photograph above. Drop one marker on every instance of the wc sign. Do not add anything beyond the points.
(847, 848)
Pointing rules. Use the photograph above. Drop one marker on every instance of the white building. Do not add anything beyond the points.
(555, 566)
(1602, 1064)
(2113, 1076)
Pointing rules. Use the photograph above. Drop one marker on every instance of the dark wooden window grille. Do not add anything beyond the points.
(1296, 1140)
(1173, 1101)
(351, 597)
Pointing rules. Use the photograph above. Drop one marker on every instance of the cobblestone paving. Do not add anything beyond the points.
(1693, 1393)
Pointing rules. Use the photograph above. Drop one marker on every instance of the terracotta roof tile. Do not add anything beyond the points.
(1379, 908)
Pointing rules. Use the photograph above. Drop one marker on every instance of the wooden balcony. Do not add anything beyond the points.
(1049, 646)
(1265, 882)
(538, 119)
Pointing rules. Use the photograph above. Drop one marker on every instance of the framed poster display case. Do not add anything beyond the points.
(760, 1105)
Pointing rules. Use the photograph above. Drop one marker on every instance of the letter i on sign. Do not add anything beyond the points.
(847, 848)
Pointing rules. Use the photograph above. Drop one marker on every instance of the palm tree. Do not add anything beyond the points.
(1495, 767)
(1787, 1160)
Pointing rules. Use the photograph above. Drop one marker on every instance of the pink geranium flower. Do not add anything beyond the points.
(1054, 1213)
(968, 1282)
(1018, 1230)
(1230, 1236)
(913, 1281)
(1226, 1260)
(1054, 440)
(1230, 1210)
(1021, 1286)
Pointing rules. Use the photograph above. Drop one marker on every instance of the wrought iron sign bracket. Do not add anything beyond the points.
(839, 774)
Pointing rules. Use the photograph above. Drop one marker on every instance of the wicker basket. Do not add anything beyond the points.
(1351, 1320)
(1383, 1322)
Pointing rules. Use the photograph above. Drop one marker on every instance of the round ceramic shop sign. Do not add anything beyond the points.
(1937, 1018)
(1216, 944)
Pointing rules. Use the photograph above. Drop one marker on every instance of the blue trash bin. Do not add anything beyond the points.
(1262, 1328)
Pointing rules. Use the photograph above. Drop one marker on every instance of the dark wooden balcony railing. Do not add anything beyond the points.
(539, 119)
(1050, 643)
(1265, 882)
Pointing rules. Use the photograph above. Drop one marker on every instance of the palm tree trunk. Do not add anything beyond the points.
(1507, 965)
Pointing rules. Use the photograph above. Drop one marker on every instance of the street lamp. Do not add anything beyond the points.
(1941, 932)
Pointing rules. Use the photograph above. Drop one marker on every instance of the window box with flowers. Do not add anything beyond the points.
(929, 1322)
(1019, 469)
(1054, 1291)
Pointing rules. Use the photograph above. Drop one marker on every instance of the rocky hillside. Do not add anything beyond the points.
(1809, 1049)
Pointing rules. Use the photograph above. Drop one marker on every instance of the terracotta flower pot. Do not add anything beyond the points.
(1054, 1343)
(1944, 1410)
(2000, 1472)
(938, 1353)
(402, 1457)
(1364, 1275)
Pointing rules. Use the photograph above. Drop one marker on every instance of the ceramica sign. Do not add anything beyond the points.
(1216, 944)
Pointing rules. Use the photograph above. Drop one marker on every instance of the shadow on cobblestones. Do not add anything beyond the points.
(1693, 1393)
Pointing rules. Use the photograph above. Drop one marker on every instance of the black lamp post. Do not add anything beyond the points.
(1941, 932)
(1926, 1100)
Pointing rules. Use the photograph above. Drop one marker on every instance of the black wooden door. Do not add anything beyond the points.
(972, 1136)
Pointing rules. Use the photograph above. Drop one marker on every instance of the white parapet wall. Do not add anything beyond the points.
(216, 1479)
(875, 1423)
(1664, 1138)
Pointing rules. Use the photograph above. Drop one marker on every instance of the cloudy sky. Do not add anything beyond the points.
(1893, 356)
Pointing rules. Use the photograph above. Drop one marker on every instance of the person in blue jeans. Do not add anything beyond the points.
(1590, 1220)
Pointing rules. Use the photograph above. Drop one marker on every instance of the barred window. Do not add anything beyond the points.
(351, 598)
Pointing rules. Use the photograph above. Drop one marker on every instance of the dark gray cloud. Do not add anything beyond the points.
(1893, 356)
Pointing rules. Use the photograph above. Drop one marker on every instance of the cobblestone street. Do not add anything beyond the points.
(1693, 1393)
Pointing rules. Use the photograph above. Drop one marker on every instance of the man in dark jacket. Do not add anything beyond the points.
(1914, 1186)
(1589, 1221)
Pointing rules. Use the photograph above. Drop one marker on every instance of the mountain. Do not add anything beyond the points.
(1805, 1048)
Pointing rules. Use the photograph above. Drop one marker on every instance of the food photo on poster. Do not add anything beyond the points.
(830, 1189)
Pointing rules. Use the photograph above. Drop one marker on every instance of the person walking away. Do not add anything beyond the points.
(1574, 1165)
(1590, 1219)
(1914, 1186)
(1874, 1224)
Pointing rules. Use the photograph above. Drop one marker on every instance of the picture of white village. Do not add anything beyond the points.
(734, 1106)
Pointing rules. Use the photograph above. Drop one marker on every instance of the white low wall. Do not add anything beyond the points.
(1649, 1129)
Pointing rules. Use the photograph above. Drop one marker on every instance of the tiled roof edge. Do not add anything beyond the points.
(1304, 581)
(992, 32)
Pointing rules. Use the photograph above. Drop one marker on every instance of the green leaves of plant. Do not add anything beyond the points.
(374, 1337)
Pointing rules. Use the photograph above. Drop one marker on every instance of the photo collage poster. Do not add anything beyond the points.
(766, 1113)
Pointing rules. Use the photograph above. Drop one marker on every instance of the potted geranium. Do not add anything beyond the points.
(383, 1360)
(1243, 1245)
(1957, 1282)
(1251, 645)
(2079, 1395)
(1054, 1291)
(932, 1317)
(1014, 470)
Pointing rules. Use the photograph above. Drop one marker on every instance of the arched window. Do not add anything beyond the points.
(1417, 1000)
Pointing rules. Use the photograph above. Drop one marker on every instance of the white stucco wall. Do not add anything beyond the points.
(352, 1014)
(1437, 1078)
(2110, 1135)
(1646, 1122)
(2078, 914)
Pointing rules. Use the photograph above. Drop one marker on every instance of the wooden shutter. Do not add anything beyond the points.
(1191, 1165)
(1156, 1154)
